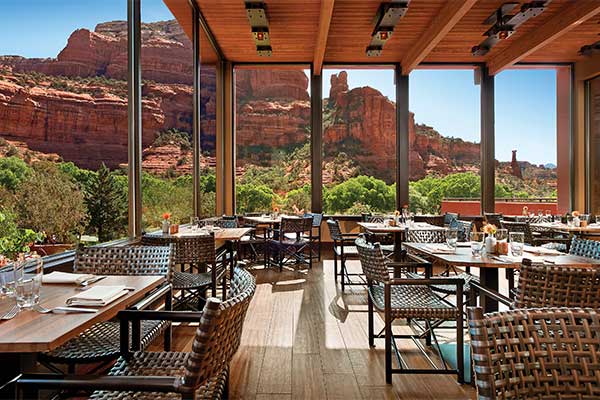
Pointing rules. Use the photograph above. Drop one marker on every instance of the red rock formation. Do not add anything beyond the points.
(270, 84)
(515, 167)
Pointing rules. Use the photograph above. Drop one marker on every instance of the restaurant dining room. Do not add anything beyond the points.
(318, 199)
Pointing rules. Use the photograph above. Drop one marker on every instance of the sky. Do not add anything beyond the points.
(447, 100)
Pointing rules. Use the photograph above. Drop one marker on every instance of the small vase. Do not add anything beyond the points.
(576, 222)
(490, 245)
(166, 225)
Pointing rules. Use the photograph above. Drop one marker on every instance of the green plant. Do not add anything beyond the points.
(361, 189)
(14, 240)
(13, 171)
(251, 198)
(48, 201)
(107, 206)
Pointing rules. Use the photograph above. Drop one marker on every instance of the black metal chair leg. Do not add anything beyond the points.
(388, 347)
(370, 313)
(335, 270)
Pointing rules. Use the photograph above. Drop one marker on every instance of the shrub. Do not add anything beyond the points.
(361, 189)
(14, 240)
(298, 199)
(254, 198)
(48, 201)
(13, 171)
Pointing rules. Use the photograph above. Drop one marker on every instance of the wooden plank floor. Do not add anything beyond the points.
(304, 339)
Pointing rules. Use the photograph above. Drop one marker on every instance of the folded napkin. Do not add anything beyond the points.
(65, 277)
(97, 296)
(541, 251)
(440, 249)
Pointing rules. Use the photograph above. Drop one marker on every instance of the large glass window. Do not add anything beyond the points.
(526, 141)
(63, 123)
(444, 136)
(272, 139)
(593, 167)
(167, 107)
(359, 141)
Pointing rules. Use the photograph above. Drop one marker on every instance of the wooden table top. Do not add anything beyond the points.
(592, 228)
(417, 226)
(31, 331)
(463, 257)
(222, 234)
(268, 220)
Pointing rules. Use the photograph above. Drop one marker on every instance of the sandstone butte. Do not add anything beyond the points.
(273, 108)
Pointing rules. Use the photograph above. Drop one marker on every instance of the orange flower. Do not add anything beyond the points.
(489, 229)
(167, 216)
(397, 213)
(575, 213)
(276, 209)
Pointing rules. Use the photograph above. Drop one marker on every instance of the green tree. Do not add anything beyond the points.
(50, 202)
(251, 198)
(14, 240)
(298, 198)
(13, 171)
(361, 189)
(107, 205)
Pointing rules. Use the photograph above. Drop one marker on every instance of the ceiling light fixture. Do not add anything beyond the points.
(388, 15)
(257, 16)
(590, 49)
(505, 24)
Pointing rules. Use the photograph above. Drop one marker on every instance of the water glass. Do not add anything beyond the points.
(598, 219)
(452, 237)
(29, 272)
(476, 243)
(517, 240)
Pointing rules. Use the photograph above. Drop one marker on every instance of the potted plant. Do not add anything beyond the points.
(15, 240)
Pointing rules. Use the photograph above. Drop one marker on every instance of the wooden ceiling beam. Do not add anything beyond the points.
(324, 22)
(450, 14)
(560, 23)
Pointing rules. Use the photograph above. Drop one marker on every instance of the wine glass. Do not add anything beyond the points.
(452, 238)
(476, 243)
(517, 240)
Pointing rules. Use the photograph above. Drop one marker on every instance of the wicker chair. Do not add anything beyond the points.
(522, 227)
(528, 353)
(449, 217)
(200, 374)
(437, 220)
(226, 223)
(407, 299)
(290, 243)
(493, 218)
(426, 236)
(343, 249)
(464, 230)
(585, 248)
(543, 285)
(315, 236)
(386, 240)
(253, 245)
(100, 342)
(194, 254)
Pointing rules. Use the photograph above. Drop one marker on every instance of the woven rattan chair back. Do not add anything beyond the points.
(557, 286)
(372, 260)
(334, 229)
(522, 227)
(375, 219)
(296, 225)
(426, 236)
(219, 333)
(449, 217)
(199, 249)
(585, 248)
(124, 260)
(547, 353)
(226, 223)
(493, 218)
(464, 230)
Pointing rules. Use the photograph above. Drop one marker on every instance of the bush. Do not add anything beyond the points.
(13, 171)
(298, 200)
(254, 198)
(362, 190)
(48, 201)
(14, 240)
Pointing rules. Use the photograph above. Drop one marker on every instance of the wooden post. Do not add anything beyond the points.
(316, 142)
(402, 142)
(488, 164)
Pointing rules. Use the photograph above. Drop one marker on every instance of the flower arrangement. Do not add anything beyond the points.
(166, 224)
(396, 213)
(575, 214)
(166, 216)
(490, 229)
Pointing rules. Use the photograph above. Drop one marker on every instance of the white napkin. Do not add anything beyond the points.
(440, 249)
(65, 277)
(541, 250)
(97, 296)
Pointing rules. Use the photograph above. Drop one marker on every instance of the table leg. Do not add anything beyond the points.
(397, 246)
(489, 279)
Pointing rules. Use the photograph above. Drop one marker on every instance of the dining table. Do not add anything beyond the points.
(490, 264)
(398, 231)
(560, 227)
(31, 332)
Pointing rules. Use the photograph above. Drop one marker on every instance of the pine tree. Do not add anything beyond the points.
(107, 205)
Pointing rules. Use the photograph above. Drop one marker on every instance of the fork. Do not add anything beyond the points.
(62, 310)
(11, 313)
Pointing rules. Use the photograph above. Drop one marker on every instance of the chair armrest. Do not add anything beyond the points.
(147, 301)
(426, 282)
(93, 382)
(492, 294)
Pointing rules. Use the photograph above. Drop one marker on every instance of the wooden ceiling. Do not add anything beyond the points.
(295, 27)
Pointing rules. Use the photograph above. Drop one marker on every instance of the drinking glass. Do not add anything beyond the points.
(29, 272)
(476, 243)
(517, 240)
(502, 241)
(598, 219)
(452, 237)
